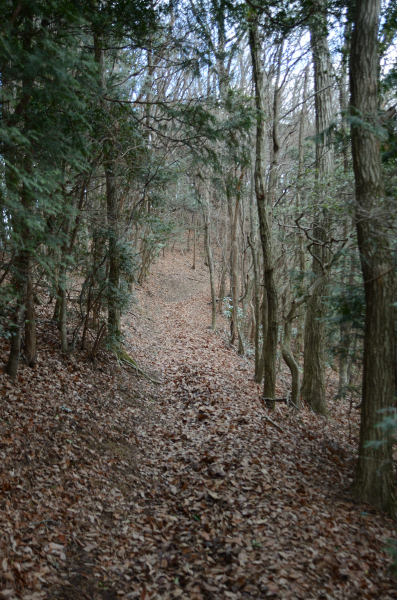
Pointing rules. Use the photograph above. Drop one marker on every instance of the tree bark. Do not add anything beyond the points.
(345, 328)
(194, 247)
(234, 273)
(345, 336)
(291, 362)
(23, 286)
(301, 315)
(264, 212)
(114, 327)
(257, 309)
(290, 316)
(313, 387)
(30, 322)
(112, 209)
(63, 310)
(207, 239)
(374, 477)
(275, 135)
(21, 277)
(62, 288)
(22, 263)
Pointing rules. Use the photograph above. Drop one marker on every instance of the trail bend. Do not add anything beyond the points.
(233, 507)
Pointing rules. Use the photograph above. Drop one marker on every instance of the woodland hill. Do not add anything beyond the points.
(258, 139)
(115, 487)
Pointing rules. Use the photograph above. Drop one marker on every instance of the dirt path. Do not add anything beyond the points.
(232, 506)
(112, 487)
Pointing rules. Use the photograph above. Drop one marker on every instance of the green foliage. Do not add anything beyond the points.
(391, 548)
(388, 28)
(346, 304)
(55, 131)
(48, 85)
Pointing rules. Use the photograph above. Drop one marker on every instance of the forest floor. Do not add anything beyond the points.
(115, 487)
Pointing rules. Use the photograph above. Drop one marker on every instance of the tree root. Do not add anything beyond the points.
(276, 425)
(125, 358)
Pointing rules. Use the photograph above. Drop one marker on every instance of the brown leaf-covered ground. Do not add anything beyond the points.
(114, 487)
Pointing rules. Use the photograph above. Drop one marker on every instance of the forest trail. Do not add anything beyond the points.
(129, 129)
(239, 508)
(113, 487)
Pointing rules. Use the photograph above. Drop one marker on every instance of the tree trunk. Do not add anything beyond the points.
(345, 339)
(207, 239)
(63, 310)
(345, 328)
(194, 248)
(256, 260)
(271, 331)
(374, 477)
(30, 322)
(291, 362)
(313, 387)
(290, 316)
(21, 227)
(345, 331)
(225, 269)
(22, 271)
(222, 287)
(57, 307)
(246, 302)
(234, 331)
(112, 209)
(66, 249)
(21, 277)
(114, 328)
(275, 136)
(258, 376)
(87, 315)
(301, 315)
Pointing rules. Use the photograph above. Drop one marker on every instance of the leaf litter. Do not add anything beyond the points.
(112, 487)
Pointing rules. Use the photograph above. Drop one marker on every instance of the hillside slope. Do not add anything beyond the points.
(115, 487)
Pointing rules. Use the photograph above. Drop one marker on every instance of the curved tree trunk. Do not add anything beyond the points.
(374, 477)
(291, 362)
